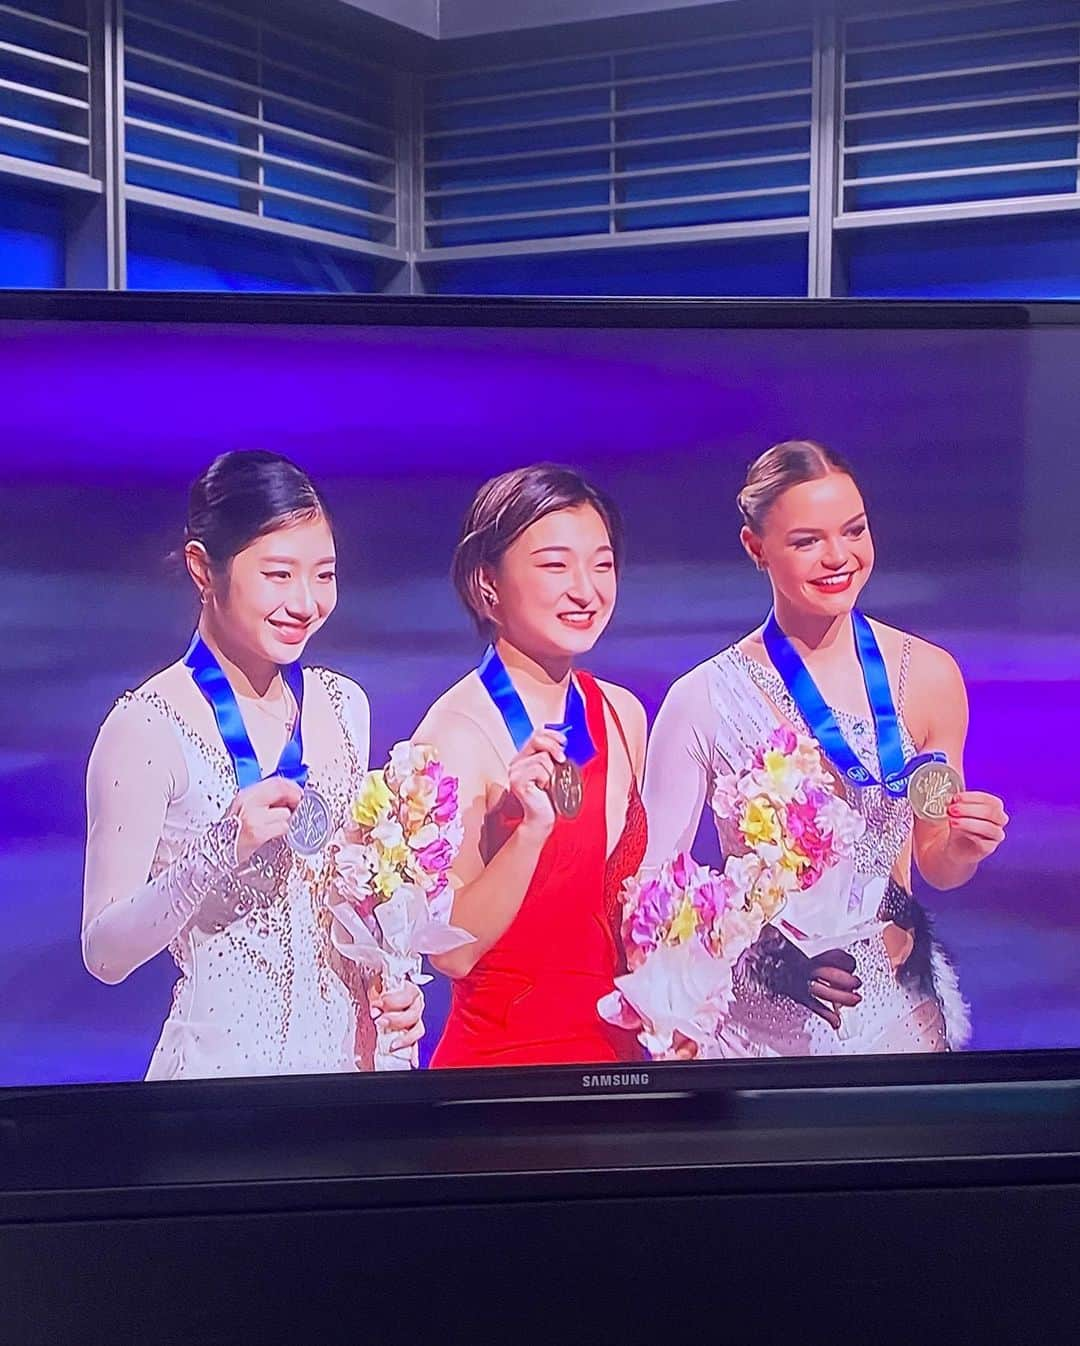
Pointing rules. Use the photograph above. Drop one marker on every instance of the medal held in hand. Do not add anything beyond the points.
(898, 775)
(311, 825)
(566, 788)
(931, 788)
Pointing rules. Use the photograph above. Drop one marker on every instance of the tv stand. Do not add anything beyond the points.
(946, 1214)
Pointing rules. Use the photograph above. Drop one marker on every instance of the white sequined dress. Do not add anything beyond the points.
(710, 722)
(260, 989)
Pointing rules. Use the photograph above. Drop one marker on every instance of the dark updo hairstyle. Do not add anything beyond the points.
(778, 469)
(502, 510)
(242, 496)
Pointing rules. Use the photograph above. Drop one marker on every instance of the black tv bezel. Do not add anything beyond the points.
(535, 1083)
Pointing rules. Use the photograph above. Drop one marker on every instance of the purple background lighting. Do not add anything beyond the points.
(957, 438)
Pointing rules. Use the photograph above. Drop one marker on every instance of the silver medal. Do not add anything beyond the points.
(310, 826)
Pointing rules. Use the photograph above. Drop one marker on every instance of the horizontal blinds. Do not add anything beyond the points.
(665, 138)
(229, 117)
(958, 104)
(45, 122)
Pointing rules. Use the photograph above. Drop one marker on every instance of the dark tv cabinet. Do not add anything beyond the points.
(917, 1215)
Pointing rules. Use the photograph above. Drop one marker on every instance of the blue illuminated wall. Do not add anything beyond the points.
(31, 237)
(167, 253)
(1006, 125)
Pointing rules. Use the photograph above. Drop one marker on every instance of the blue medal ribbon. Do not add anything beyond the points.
(211, 681)
(821, 722)
(579, 745)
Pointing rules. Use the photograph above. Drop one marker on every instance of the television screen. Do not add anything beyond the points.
(414, 693)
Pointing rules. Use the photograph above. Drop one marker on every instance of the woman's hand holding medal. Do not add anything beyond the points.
(265, 810)
(977, 823)
(531, 773)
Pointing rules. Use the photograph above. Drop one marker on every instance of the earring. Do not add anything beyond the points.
(203, 596)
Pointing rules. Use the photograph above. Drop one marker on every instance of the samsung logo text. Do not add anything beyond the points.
(626, 1080)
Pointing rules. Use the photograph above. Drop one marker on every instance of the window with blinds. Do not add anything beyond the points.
(233, 119)
(960, 104)
(709, 136)
(174, 111)
(44, 92)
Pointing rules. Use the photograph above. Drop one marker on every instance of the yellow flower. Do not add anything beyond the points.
(759, 823)
(684, 924)
(775, 762)
(373, 798)
(387, 881)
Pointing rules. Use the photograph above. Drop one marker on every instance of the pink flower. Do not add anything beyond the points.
(713, 899)
(727, 895)
(437, 857)
(446, 800)
(811, 875)
(652, 910)
(818, 851)
(705, 905)
(800, 819)
(682, 871)
(783, 739)
(434, 770)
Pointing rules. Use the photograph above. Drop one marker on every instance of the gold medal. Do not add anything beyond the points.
(567, 789)
(930, 790)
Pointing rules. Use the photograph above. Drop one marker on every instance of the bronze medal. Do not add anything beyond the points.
(930, 790)
(567, 789)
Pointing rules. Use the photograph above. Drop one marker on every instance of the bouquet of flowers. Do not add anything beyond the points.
(684, 928)
(790, 861)
(392, 880)
(797, 840)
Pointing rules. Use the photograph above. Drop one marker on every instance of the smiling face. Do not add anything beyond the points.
(815, 544)
(555, 585)
(276, 593)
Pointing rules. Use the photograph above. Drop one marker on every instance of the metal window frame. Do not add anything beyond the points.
(72, 96)
(985, 207)
(615, 134)
(396, 183)
(256, 105)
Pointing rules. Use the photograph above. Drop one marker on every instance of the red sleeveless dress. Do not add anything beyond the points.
(531, 999)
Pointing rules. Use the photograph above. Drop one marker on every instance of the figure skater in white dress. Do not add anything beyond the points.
(212, 789)
(805, 526)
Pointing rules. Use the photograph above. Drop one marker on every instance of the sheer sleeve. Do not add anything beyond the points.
(678, 767)
(136, 769)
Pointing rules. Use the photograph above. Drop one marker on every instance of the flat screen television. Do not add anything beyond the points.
(454, 699)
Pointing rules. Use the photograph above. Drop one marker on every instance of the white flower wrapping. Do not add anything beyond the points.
(678, 989)
(685, 928)
(392, 885)
(408, 927)
(789, 843)
(836, 912)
